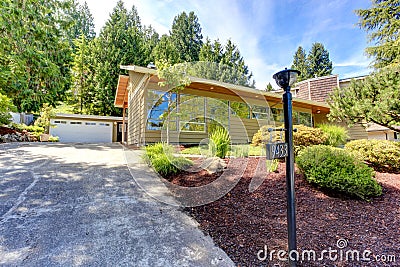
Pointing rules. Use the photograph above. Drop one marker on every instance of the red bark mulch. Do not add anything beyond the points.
(243, 223)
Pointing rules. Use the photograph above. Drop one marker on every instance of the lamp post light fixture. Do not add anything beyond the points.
(285, 79)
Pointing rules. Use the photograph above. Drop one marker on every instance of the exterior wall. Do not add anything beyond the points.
(357, 132)
(241, 130)
(136, 111)
(317, 89)
(303, 91)
(320, 88)
(382, 135)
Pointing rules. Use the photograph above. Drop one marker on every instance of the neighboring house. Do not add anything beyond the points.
(187, 116)
(318, 89)
(376, 131)
(86, 128)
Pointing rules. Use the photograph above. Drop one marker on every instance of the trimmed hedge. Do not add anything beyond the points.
(380, 154)
(337, 171)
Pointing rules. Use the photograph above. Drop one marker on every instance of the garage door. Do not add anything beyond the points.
(82, 131)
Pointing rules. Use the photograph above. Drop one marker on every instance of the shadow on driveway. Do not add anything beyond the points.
(78, 205)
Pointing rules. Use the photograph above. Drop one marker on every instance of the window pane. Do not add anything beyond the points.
(240, 109)
(259, 112)
(305, 119)
(157, 107)
(277, 115)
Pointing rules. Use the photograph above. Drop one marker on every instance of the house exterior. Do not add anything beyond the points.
(376, 131)
(318, 89)
(186, 116)
(86, 128)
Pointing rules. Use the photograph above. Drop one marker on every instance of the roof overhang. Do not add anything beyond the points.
(121, 96)
(214, 86)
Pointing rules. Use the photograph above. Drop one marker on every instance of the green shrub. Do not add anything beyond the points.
(239, 151)
(336, 171)
(336, 135)
(6, 106)
(220, 142)
(380, 154)
(30, 128)
(54, 138)
(272, 165)
(160, 157)
(305, 136)
(262, 136)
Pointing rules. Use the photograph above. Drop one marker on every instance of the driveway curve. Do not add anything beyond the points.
(78, 205)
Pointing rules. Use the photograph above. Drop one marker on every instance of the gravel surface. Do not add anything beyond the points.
(246, 224)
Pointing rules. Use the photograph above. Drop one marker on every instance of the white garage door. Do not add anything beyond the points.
(82, 131)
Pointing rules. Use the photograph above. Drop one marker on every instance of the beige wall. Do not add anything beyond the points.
(381, 135)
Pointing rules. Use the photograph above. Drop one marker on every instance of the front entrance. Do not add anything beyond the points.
(119, 131)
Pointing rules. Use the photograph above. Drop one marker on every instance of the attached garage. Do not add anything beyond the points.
(86, 128)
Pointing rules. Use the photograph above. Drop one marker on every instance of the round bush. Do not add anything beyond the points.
(380, 154)
(334, 170)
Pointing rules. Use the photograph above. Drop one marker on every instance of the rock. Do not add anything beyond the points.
(213, 165)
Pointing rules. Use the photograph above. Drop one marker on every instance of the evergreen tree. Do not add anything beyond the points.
(186, 36)
(80, 74)
(318, 61)
(300, 64)
(151, 39)
(81, 22)
(375, 99)
(165, 51)
(269, 88)
(34, 55)
(382, 22)
(120, 43)
(211, 52)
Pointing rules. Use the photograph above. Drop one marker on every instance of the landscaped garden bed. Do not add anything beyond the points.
(244, 223)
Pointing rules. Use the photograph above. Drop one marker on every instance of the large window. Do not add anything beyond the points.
(157, 106)
(277, 115)
(260, 113)
(302, 118)
(242, 110)
(191, 113)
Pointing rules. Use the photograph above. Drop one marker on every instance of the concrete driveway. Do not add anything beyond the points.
(78, 205)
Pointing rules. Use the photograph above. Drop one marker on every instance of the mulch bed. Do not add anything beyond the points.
(6, 130)
(242, 223)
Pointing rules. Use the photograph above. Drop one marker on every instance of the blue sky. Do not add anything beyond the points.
(267, 32)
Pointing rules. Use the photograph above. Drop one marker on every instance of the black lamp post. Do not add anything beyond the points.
(285, 79)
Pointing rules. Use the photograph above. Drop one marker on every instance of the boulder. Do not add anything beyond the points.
(213, 165)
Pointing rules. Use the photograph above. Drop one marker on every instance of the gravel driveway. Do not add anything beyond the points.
(78, 205)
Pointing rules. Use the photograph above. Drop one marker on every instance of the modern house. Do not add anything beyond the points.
(185, 116)
(86, 128)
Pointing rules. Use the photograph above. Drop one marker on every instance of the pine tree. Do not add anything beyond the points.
(375, 99)
(318, 61)
(186, 36)
(300, 64)
(382, 22)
